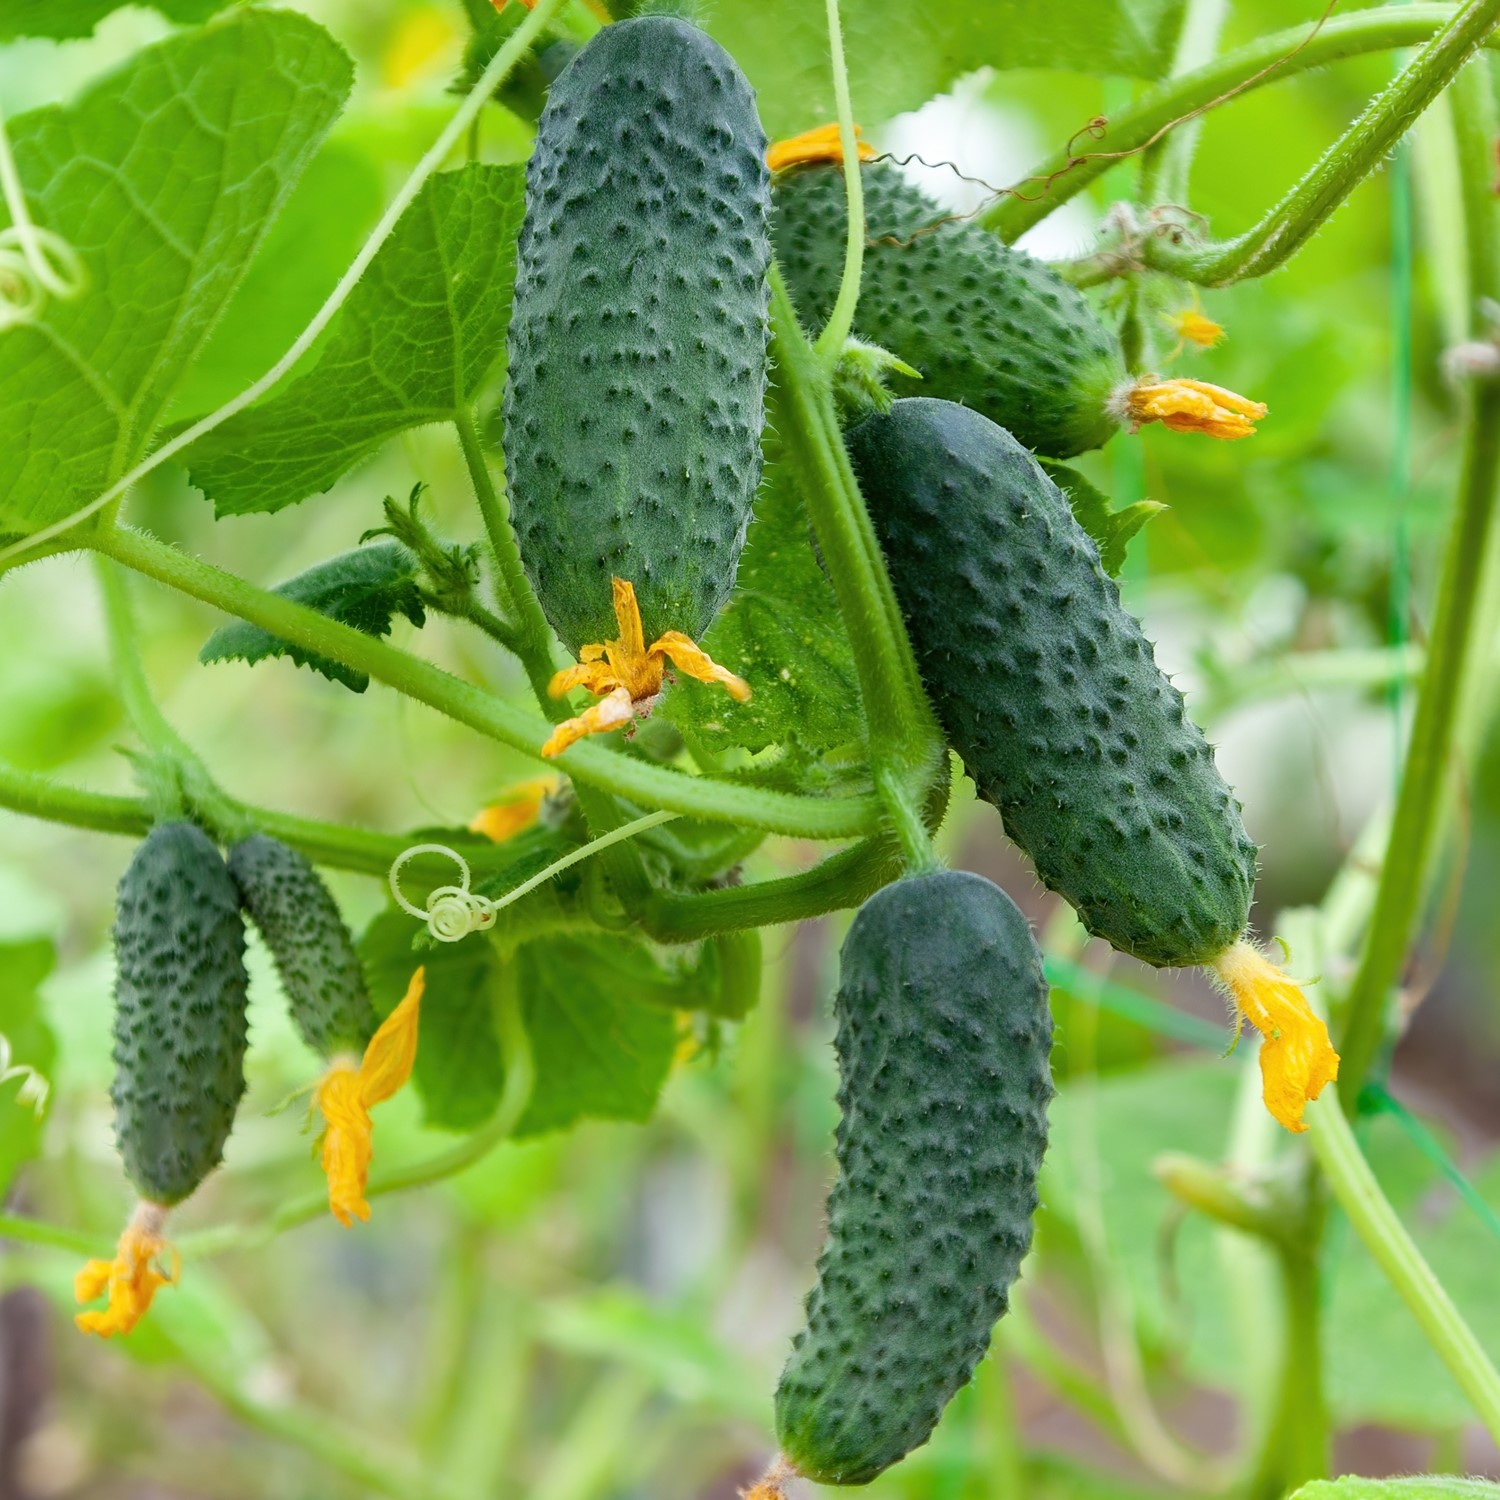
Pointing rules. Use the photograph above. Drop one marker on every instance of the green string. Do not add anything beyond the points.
(1401, 429)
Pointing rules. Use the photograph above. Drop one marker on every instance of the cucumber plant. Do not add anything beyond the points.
(607, 315)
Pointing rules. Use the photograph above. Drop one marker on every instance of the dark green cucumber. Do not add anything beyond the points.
(943, 1037)
(638, 340)
(180, 1030)
(1048, 690)
(312, 948)
(984, 324)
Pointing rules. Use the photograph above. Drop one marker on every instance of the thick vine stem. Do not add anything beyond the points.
(1268, 59)
(904, 739)
(1363, 146)
(1385, 1237)
(1462, 590)
(646, 785)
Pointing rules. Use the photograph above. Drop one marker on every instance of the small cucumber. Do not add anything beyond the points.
(1048, 690)
(984, 324)
(638, 339)
(312, 948)
(180, 1029)
(943, 1036)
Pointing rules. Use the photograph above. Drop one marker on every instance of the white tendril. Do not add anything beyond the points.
(452, 911)
(34, 1087)
(35, 263)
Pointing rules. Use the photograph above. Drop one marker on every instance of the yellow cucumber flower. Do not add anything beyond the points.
(1296, 1057)
(515, 810)
(626, 674)
(347, 1093)
(1186, 406)
(131, 1279)
(1192, 327)
(821, 144)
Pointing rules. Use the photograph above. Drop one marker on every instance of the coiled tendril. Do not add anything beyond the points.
(452, 911)
(35, 263)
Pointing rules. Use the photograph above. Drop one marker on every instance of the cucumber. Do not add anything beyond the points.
(1048, 690)
(943, 1036)
(312, 948)
(984, 324)
(638, 338)
(180, 1029)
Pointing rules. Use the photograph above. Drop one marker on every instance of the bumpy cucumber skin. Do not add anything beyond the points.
(1048, 690)
(312, 948)
(984, 324)
(638, 340)
(943, 1037)
(180, 1029)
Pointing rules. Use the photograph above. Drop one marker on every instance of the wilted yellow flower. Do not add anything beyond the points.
(1186, 406)
(347, 1093)
(1296, 1056)
(131, 1279)
(1192, 327)
(516, 809)
(627, 674)
(821, 144)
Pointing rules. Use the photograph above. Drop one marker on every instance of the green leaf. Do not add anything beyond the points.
(411, 346)
(366, 588)
(1111, 530)
(900, 55)
(30, 1044)
(1419, 1487)
(72, 18)
(164, 177)
(601, 1043)
(782, 632)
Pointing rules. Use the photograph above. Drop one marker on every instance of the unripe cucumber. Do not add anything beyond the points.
(984, 324)
(638, 339)
(180, 1030)
(1048, 690)
(312, 948)
(943, 1036)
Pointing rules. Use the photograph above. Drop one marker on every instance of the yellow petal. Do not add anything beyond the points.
(591, 673)
(687, 656)
(1190, 324)
(1187, 406)
(1296, 1056)
(598, 718)
(820, 144)
(131, 1278)
(631, 644)
(515, 811)
(346, 1145)
(392, 1050)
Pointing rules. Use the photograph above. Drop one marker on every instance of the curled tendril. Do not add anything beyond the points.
(35, 263)
(452, 911)
(34, 1088)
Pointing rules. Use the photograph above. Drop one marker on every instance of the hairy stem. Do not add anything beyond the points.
(1342, 167)
(1166, 165)
(1385, 1237)
(830, 344)
(1433, 751)
(1268, 59)
(648, 785)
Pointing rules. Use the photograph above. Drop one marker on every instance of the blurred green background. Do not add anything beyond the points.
(603, 1314)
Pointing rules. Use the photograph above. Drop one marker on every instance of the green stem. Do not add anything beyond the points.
(911, 832)
(1342, 167)
(904, 739)
(1166, 165)
(1268, 59)
(533, 642)
(1462, 590)
(626, 776)
(1385, 1237)
(830, 344)
(25, 1231)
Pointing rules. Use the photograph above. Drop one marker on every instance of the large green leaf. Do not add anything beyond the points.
(411, 346)
(70, 18)
(366, 588)
(782, 632)
(30, 1044)
(1417, 1487)
(900, 54)
(165, 177)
